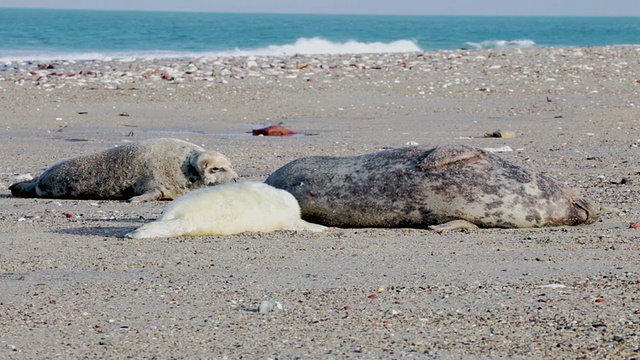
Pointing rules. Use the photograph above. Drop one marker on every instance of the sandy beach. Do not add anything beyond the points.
(72, 287)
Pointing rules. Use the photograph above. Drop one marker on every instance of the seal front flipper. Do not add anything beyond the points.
(155, 194)
(25, 189)
(447, 155)
(454, 225)
(301, 225)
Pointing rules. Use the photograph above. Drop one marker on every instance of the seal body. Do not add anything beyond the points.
(141, 171)
(227, 209)
(420, 187)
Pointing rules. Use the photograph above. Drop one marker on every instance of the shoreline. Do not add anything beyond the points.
(204, 68)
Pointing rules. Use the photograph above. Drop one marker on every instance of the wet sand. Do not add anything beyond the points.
(72, 287)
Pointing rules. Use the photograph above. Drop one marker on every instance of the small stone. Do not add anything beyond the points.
(626, 181)
(553, 286)
(391, 312)
(501, 134)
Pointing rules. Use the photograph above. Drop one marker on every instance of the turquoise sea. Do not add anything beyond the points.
(32, 34)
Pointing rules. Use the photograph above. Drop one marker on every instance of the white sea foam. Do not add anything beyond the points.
(306, 46)
(503, 44)
(302, 46)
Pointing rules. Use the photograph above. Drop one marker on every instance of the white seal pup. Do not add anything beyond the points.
(422, 187)
(227, 209)
(140, 171)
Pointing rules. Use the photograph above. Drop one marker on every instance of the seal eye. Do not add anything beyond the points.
(214, 170)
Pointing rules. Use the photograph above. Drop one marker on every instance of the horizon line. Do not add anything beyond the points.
(309, 13)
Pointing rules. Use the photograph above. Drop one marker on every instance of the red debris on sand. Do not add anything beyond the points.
(374, 296)
(634, 225)
(274, 130)
(68, 216)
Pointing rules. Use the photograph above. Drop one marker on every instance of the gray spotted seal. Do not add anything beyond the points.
(139, 171)
(227, 209)
(422, 187)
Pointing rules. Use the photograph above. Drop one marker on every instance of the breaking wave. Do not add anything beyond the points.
(503, 44)
(306, 46)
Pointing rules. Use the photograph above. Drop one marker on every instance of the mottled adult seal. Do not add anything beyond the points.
(227, 209)
(140, 171)
(420, 187)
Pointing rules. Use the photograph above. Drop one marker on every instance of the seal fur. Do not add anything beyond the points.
(140, 171)
(421, 187)
(227, 209)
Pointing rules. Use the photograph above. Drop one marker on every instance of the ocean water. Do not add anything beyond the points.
(33, 34)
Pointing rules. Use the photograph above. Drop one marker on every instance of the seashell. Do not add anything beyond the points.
(24, 177)
(252, 64)
(268, 306)
(500, 149)
(553, 286)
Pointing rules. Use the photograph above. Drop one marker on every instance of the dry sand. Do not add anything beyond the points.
(72, 287)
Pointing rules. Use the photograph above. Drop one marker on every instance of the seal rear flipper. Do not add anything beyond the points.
(588, 211)
(25, 189)
(158, 229)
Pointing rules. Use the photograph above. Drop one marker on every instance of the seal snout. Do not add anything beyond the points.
(220, 175)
